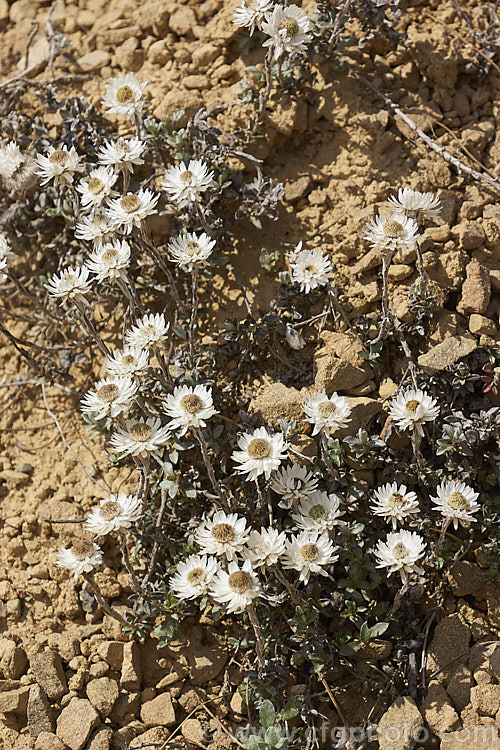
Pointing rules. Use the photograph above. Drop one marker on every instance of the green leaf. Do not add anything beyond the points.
(291, 709)
(267, 714)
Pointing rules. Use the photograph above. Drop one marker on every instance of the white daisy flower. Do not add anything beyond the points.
(131, 361)
(394, 503)
(287, 28)
(6, 252)
(124, 95)
(189, 407)
(71, 284)
(308, 552)
(251, 13)
(456, 501)
(400, 553)
(122, 154)
(410, 408)
(237, 588)
(17, 168)
(190, 250)
(130, 210)
(97, 229)
(81, 557)
(11, 157)
(109, 261)
(415, 205)
(264, 547)
(319, 512)
(113, 514)
(294, 483)
(110, 397)
(149, 331)
(3, 266)
(223, 534)
(261, 453)
(391, 234)
(139, 437)
(193, 576)
(59, 165)
(327, 413)
(310, 269)
(186, 184)
(97, 187)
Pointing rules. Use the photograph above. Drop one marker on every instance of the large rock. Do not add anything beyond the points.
(103, 694)
(337, 365)
(464, 578)
(438, 711)
(459, 688)
(400, 726)
(448, 352)
(278, 401)
(76, 722)
(49, 673)
(449, 648)
(476, 289)
(158, 712)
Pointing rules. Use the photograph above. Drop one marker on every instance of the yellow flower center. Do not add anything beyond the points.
(129, 359)
(191, 403)
(311, 269)
(59, 158)
(95, 186)
(309, 552)
(395, 501)
(82, 549)
(412, 405)
(108, 392)
(393, 229)
(191, 248)
(457, 501)
(223, 533)
(399, 552)
(326, 409)
(140, 432)
(196, 576)
(186, 176)
(130, 203)
(259, 448)
(125, 95)
(240, 581)
(110, 256)
(110, 510)
(289, 25)
(318, 513)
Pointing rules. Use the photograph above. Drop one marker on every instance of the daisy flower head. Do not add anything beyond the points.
(122, 154)
(294, 483)
(260, 453)
(114, 514)
(124, 95)
(190, 250)
(264, 547)
(223, 534)
(457, 502)
(310, 269)
(110, 397)
(131, 209)
(287, 28)
(416, 205)
(187, 184)
(6, 252)
(131, 361)
(251, 13)
(189, 407)
(97, 188)
(81, 557)
(394, 503)
(400, 553)
(96, 228)
(149, 331)
(110, 261)
(3, 266)
(17, 168)
(391, 234)
(237, 588)
(411, 408)
(139, 437)
(70, 284)
(309, 552)
(319, 512)
(59, 165)
(193, 576)
(11, 157)
(327, 413)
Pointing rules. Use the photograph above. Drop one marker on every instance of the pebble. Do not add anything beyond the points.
(399, 725)
(13, 660)
(448, 352)
(17, 478)
(131, 675)
(49, 741)
(93, 60)
(479, 324)
(49, 673)
(158, 712)
(39, 712)
(476, 289)
(182, 21)
(14, 701)
(76, 722)
(103, 694)
(298, 189)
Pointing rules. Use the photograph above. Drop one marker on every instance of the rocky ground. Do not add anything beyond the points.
(69, 677)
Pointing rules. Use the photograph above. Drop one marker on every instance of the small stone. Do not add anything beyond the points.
(297, 189)
(375, 650)
(131, 675)
(470, 234)
(39, 712)
(479, 325)
(14, 701)
(207, 665)
(112, 653)
(238, 703)
(49, 741)
(438, 711)
(277, 401)
(25, 468)
(159, 53)
(158, 712)
(4, 13)
(400, 271)
(305, 450)
(362, 411)
(205, 54)
(16, 478)
(337, 365)
(192, 732)
(13, 660)
(448, 352)
(103, 693)
(129, 56)
(49, 673)
(485, 698)
(494, 661)
(476, 290)
(480, 738)
(449, 648)
(76, 722)
(459, 688)
(399, 725)
(101, 739)
(154, 735)
(196, 82)
(464, 579)
(93, 60)
(182, 21)
(479, 657)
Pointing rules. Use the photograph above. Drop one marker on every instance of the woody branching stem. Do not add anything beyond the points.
(387, 256)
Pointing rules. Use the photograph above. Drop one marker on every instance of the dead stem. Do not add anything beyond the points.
(259, 641)
(264, 95)
(127, 562)
(209, 466)
(156, 545)
(89, 577)
(387, 256)
(194, 311)
(264, 501)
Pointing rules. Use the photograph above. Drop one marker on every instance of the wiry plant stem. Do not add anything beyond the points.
(259, 641)
(94, 586)
(387, 256)
(194, 311)
(264, 95)
(209, 466)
